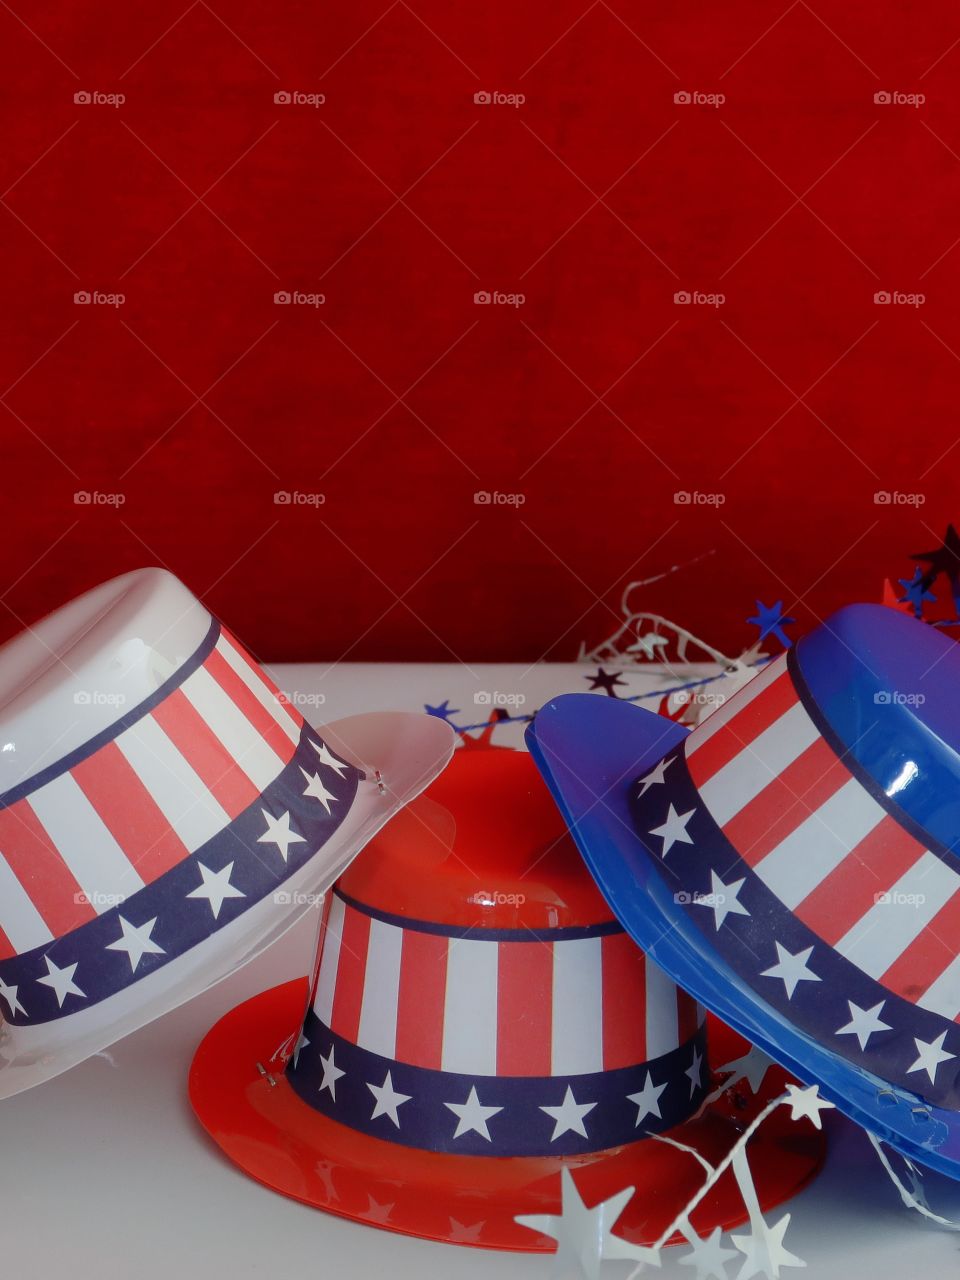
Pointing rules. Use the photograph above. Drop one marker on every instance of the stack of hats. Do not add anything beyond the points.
(506, 989)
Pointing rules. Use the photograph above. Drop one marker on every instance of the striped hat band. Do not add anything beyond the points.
(828, 899)
(490, 1042)
(158, 832)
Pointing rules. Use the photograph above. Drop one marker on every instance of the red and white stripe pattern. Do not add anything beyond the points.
(816, 837)
(485, 1007)
(136, 806)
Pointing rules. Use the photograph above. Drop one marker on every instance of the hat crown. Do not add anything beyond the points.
(809, 828)
(886, 690)
(469, 968)
(76, 671)
(485, 849)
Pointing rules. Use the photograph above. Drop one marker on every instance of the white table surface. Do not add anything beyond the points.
(104, 1173)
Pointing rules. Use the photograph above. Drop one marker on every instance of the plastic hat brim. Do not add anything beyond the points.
(590, 750)
(408, 749)
(266, 1129)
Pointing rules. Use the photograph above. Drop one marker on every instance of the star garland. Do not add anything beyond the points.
(912, 1197)
(733, 678)
(585, 1237)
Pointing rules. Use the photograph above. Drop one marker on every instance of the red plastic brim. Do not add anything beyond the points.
(266, 1129)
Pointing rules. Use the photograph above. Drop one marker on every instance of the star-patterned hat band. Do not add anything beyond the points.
(828, 899)
(495, 1042)
(191, 808)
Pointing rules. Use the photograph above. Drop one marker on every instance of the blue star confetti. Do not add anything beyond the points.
(770, 620)
(443, 712)
(915, 591)
(946, 560)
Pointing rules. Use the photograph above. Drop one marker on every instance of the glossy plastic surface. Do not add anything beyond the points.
(484, 848)
(76, 671)
(590, 751)
(889, 688)
(262, 1125)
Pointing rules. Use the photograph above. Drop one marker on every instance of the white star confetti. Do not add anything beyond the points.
(709, 1256)
(806, 1104)
(763, 1250)
(752, 1067)
(584, 1236)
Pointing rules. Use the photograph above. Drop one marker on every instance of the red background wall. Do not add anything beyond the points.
(597, 399)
